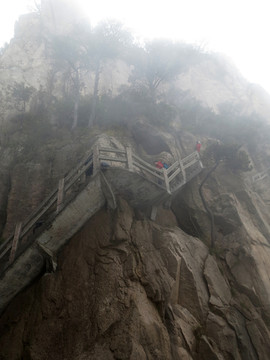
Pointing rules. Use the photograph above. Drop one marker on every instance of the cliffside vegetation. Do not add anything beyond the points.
(82, 55)
(45, 120)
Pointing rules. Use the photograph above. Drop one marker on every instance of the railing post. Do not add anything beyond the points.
(15, 242)
(181, 166)
(96, 164)
(167, 184)
(129, 158)
(182, 170)
(199, 159)
(153, 213)
(60, 195)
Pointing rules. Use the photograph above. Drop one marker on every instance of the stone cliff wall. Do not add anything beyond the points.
(128, 288)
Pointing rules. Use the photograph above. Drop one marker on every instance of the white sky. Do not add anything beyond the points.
(238, 28)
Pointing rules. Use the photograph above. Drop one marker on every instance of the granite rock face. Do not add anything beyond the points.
(129, 288)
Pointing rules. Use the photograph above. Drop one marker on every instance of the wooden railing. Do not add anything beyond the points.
(261, 175)
(171, 180)
(51, 205)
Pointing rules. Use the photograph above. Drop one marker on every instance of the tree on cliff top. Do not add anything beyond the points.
(105, 42)
(67, 50)
(161, 61)
(21, 94)
(88, 49)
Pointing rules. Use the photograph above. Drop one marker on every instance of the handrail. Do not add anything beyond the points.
(261, 175)
(175, 165)
(52, 198)
(107, 158)
(78, 167)
(165, 178)
(166, 175)
(117, 151)
(46, 204)
(29, 218)
(194, 161)
(150, 166)
(192, 156)
(143, 168)
(177, 171)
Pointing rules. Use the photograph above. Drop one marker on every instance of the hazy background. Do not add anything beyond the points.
(238, 28)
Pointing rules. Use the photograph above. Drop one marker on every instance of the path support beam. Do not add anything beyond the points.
(129, 158)
(96, 162)
(166, 180)
(50, 258)
(15, 241)
(60, 195)
(181, 166)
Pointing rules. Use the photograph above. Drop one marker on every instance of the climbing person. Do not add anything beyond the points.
(104, 165)
(165, 165)
(159, 164)
(198, 146)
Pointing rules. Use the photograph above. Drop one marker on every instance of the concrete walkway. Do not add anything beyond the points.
(103, 174)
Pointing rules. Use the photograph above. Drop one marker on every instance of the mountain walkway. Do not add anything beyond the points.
(103, 174)
(261, 175)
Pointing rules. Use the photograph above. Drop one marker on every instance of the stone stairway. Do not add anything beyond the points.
(101, 175)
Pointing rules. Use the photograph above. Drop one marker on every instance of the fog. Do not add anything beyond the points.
(238, 29)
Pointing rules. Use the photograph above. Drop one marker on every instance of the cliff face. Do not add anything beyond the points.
(216, 81)
(127, 287)
(29, 60)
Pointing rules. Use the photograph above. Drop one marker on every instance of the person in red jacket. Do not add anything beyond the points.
(198, 146)
(159, 164)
